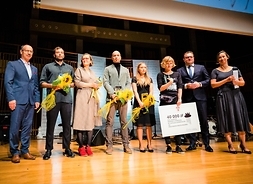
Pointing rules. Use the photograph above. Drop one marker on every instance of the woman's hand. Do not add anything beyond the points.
(171, 80)
(141, 104)
(230, 78)
(95, 86)
(236, 82)
(179, 102)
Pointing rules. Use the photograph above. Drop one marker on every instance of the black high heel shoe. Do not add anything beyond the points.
(231, 151)
(142, 150)
(243, 149)
(150, 150)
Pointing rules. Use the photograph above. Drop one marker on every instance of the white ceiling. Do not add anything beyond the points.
(165, 12)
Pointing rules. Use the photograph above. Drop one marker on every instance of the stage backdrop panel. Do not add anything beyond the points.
(178, 121)
(153, 69)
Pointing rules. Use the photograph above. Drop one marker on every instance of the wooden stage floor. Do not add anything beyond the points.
(196, 166)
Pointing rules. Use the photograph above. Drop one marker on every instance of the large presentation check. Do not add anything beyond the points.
(177, 121)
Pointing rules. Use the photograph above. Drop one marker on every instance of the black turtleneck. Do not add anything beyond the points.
(117, 65)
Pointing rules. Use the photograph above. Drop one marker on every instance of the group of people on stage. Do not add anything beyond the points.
(187, 84)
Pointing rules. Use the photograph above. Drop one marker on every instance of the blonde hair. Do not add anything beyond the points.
(147, 80)
(167, 59)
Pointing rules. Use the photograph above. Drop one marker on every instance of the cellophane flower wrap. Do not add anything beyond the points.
(122, 96)
(61, 83)
(95, 92)
(147, 102)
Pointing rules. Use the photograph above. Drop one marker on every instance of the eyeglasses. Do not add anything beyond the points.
(28, 51)
(188, 57)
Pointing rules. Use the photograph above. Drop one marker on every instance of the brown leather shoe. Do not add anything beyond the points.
(15, 159)
(28, 156)
(127, 149)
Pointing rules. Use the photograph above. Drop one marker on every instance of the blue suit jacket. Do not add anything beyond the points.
(17, 84)
(200, 75)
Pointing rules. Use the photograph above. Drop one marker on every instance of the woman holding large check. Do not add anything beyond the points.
(170, 86)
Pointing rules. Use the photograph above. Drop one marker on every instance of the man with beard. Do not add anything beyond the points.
(63, 100)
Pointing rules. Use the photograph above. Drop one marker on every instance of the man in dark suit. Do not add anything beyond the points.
(195, 79)
(23, 96)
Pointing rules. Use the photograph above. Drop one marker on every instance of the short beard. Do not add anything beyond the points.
(58, 60)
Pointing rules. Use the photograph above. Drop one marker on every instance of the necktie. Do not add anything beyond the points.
(190, 71)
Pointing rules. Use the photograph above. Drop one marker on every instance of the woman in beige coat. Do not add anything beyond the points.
(87, 105)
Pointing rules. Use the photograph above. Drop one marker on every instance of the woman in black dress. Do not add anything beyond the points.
(170, 86)
(142, 86)
(232, 114)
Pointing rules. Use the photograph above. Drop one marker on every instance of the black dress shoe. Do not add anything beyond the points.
(47, 155)
(190, 148)
(209, 149)
(168, 150)
(179, 150)
(69, 153)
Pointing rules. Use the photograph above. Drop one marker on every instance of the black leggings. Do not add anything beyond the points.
(84, 137)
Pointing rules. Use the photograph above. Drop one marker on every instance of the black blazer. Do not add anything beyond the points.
(200, 75)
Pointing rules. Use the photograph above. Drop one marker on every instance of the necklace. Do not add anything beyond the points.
(168, 73)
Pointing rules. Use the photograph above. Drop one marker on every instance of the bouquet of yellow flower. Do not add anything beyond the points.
(122, 97)
(62, 82)
(94, 93)
(147, 102)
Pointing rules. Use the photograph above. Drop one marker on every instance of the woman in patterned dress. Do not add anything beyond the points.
(86, 106)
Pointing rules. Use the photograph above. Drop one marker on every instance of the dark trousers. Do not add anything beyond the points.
(65, 110)
(177, 139)
(202, 113)
(21, 119)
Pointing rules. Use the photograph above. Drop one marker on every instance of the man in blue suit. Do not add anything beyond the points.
(195, 79)
(23, 96)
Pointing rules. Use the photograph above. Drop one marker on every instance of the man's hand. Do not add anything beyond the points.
(193, 85)
(12, 105)
(113, 96)
(37, 105)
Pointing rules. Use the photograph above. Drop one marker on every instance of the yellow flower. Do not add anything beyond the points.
(122, 96)
(148, 101)
(62, 82)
